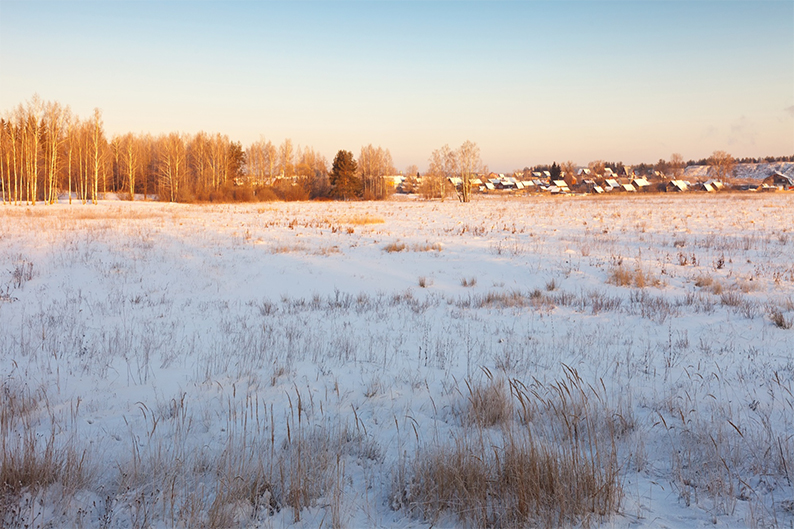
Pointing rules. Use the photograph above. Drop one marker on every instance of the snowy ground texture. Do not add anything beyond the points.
(302, 364)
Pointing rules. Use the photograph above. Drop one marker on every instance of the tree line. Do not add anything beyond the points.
(721, 164)
(47, 151)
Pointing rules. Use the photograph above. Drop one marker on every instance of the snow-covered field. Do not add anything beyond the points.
(300, 364)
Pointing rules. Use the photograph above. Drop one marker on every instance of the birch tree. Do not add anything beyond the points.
(55, 115)
(5, 159)
(373, 165)
(469, 163)
(32, 117)
(286, 159)
(443, 165)
(172, 164)
(130, 161)
(97, 153)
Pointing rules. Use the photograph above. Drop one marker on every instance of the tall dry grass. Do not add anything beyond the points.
(523, 457)
(34, 455)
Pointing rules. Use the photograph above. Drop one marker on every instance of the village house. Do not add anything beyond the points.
(676, 186)
(562, 186)
(641, 184)
(778, 179)
(703, 186)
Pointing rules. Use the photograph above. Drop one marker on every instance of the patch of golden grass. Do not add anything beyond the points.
(286, 248)
(361, 220)
(489, 403)
(624, 276)
(427, 247)
(394, 247)
(557, 468)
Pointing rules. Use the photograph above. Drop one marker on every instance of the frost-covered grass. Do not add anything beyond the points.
(598, 361)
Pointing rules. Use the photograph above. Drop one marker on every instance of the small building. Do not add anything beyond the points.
(610, 184)
(703, 186)
(676, 186)
(641, 184)
(586, 186)
(562, 185)
(778, 179)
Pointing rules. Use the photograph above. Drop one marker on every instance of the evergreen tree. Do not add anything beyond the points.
(346, 185)
(236, 160)
(555, 171)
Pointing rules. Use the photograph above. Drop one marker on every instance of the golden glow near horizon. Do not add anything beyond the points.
(529, 82)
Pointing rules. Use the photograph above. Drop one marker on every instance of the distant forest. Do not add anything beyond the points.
(49, 154)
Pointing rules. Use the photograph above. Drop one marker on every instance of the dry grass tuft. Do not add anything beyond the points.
(503, 299)
(522, 482)
(394, 247)
(427, 247)
(32, 461)
(489, 404)
(361, 220)
(632, 277)
(779, 320)
(470, 282)
(558, 468)
(286, 248)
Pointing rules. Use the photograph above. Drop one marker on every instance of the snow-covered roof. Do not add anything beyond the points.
(679, 184)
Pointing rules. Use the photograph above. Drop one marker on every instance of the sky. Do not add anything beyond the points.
(529, 82)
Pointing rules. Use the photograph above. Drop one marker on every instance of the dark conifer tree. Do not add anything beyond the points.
(346, 185)
(555, 171)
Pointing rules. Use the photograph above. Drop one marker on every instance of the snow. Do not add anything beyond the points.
(164, 335)
(743, 171)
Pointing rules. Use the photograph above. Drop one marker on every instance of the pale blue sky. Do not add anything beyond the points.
(530, 82)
